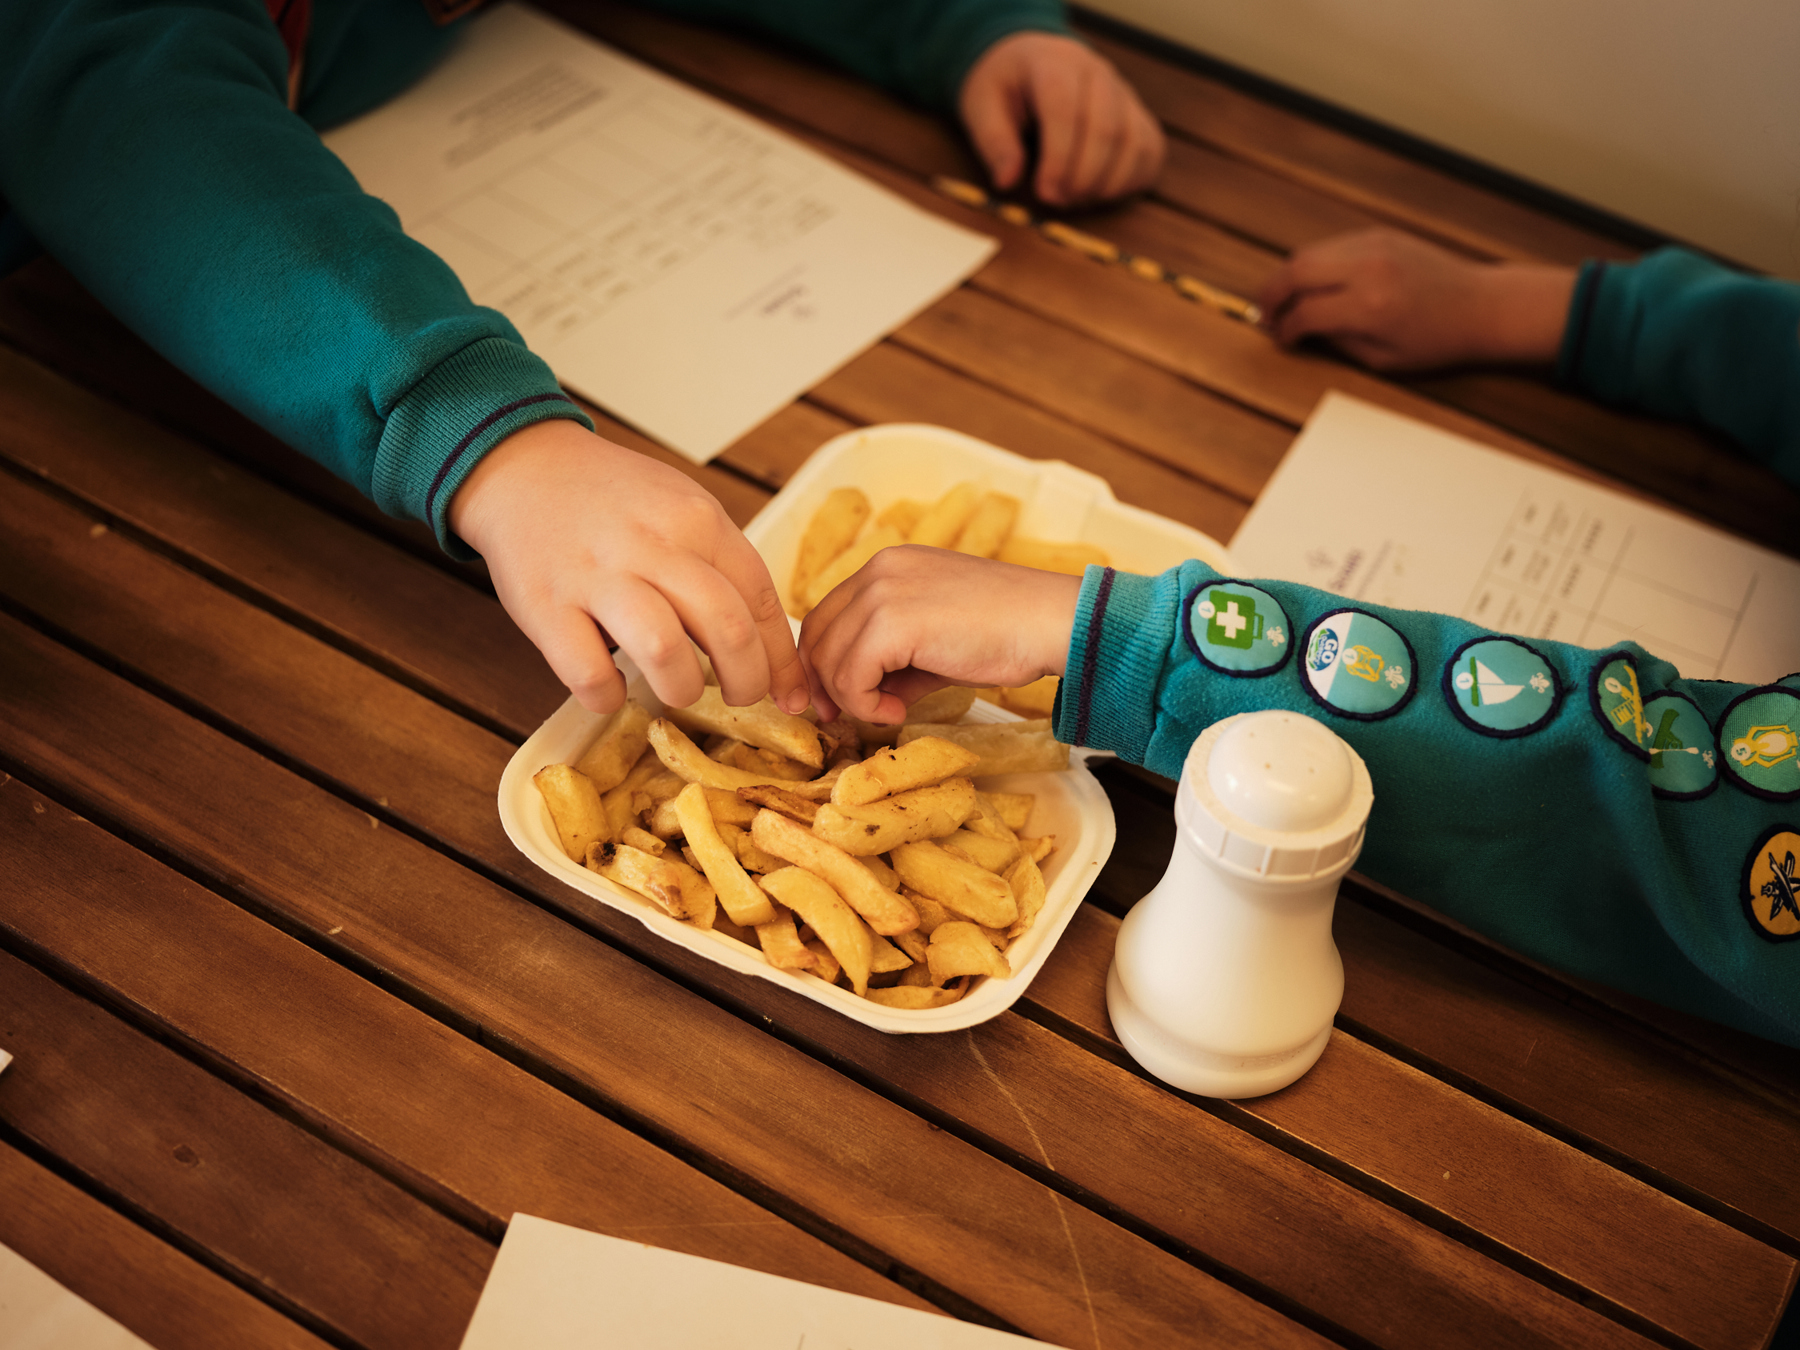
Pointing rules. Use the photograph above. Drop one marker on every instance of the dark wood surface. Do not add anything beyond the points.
(297, 1030)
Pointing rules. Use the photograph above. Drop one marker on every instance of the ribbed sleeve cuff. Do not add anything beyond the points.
(960, 44)
(1121, 640)
(1576, 325)
(437, 433)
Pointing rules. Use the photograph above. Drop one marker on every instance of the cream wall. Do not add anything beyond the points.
(1681, 114)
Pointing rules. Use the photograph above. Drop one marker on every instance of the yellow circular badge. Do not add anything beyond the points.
(1771, 875)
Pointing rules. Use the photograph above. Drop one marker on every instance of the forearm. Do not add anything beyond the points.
(1682, 337)
(148, 147)
(1556, 836)
(919, 48)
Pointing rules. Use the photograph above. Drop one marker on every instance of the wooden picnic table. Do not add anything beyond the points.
(297, 1029)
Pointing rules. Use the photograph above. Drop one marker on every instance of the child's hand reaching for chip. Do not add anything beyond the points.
(585, 538)
(916, 619)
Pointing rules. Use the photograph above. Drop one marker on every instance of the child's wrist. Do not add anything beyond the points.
(1521, 312)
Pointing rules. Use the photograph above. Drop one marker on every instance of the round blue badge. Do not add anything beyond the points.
(1683, 755)
(1357, 665)
(1759, 737)
(1501, 687)
(1237, 629)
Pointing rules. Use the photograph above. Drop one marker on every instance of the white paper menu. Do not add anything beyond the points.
(1382, 508)
(679, 263)
(37, 1313)
(559, 1288)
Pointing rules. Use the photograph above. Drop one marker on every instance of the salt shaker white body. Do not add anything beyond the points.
(1225, 978)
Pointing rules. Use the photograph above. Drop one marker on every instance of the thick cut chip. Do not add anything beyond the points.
(996, 855)
(618, 747)
(621, 802)
(989, 526)
(1014, 808)
(837, 925)
(726, 808)
(790, 804)
(1037, 699)
(924, 813)
(697, 894)
(643, 839)
(914, 998)
(961, 885)
(828, 968)
(743, 899)
(940, 525)
(888, 957)
(850, 561)
(879, 869)
(833, 529)
(683, 757)
(1002, 747)
(1028, 889)
(963, 949)
(658, 880)
(1069, 559)
(575, 809)
(761, 724)
(913, 943)
(886, 911)
(921, 762)
(782, 945)
(902, 516)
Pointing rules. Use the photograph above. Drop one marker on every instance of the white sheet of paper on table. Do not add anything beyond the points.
(559, 1288)
(1385, 509)
(679, 263)
(37, 1313)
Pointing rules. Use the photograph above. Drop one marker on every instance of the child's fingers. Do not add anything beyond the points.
(646, 626)
(1055, 94)
(744, 568)
(571, 643)
(992, 113)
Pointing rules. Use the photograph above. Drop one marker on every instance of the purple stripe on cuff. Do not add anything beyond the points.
(1090, 658)
(481, 426)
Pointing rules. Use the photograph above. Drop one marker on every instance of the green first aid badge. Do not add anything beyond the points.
(1237, 629)
(1357, 665)
(1501, 687)
(1759, 737)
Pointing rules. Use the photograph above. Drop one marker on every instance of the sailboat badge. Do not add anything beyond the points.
(1501, 687)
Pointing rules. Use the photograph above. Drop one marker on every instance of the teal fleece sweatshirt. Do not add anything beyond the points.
(1590, 809)
(147, 145)
(1679, 336)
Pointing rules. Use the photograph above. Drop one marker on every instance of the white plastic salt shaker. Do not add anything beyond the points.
(1225, 979)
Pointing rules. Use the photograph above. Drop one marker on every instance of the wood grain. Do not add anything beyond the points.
(252, 1190)
(138, 1280)
(232, 675)
(451, 1121)
(585, 1013)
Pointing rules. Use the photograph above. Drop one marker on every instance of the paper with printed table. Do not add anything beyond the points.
(681, 264)
(1382, 508)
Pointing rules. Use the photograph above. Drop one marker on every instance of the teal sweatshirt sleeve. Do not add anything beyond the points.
(147, 146)
(1679, 336)
(1590, 809)
(919, 48)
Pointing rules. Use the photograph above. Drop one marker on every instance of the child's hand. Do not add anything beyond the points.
(1394, 302)
(1095, 139)
(915, 619)
(584, 538)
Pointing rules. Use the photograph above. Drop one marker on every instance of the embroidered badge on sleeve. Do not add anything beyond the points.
(1357, 665)
(1684, 759)
(1759, 737)
(1502, 687)
(1237, 629)
(1618, 702)
(1771, 875)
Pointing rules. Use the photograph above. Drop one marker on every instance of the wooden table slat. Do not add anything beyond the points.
(166, 1138)
(235, 677)
(470, 951)
(138, 1280)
